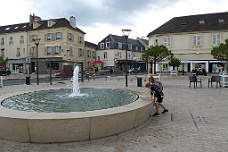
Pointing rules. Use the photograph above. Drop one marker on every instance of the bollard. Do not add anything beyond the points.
(106, 78)
(1, 82)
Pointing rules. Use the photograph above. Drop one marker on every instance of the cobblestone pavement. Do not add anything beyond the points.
(197, 121)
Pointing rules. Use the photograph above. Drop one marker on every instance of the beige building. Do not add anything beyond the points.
(61, 43)
(191, 39)
(13, 44)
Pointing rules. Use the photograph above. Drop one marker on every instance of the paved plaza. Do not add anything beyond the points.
(197, 121)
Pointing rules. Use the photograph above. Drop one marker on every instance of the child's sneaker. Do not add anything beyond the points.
(156, 114)
(166, 110)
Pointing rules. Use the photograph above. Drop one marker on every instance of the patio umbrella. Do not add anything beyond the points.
(98, 62)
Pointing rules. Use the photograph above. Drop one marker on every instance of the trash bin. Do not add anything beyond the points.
(28, 80)
(139, 82)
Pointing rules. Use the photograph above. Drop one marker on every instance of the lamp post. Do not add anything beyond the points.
(37, 41)
(126, 33)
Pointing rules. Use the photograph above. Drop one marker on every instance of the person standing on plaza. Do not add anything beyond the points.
(158, 95)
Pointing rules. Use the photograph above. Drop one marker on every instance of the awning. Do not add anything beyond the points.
(98, 62)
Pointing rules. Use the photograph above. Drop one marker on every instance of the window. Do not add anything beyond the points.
(8, 28)
(49, 36)
(142, 49)
(107, 45)
(80, 52)
(32, 37)
(2, 41)
(167, 41)
(33, 51)
(49, 50)
(80, 40)
(129, 46)
(57, 50)
(11, 40)
(18, 52)
(54, 65)
(221, 20)
(98, 58)
(105, 55)
(49, 23)
(58, 36)
(16, 27)
(196, 40)
(201, 22)
(22, 40)
(136, 48)
(94, 54)
(101, 45)
(71, 51)
(70, 37)
(88, 53)
(183, 23)
(216, 39)
(119, 45)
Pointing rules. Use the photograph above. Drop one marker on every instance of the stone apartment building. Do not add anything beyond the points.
(191, 39)
(111, 50)
(61, 43)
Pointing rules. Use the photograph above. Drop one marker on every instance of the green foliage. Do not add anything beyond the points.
(156, 54)
(175, 62)
(3, 61)
(221, 52)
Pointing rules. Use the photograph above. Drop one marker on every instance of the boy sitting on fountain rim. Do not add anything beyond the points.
(156, 92)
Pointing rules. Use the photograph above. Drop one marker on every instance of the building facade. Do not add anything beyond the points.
(61, 43)
(191, 39)
(112, 51)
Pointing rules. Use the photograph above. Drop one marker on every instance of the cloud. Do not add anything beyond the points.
(91, 12)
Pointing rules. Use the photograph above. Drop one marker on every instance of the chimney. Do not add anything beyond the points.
(73, 21)
(31, 19)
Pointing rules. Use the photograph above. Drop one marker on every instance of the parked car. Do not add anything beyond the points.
(63, 74)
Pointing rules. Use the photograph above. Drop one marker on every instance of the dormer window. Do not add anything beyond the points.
(221, 20)
(107, 45)
(183, 23)
(129, 46)
(16, 27)
(201, 22)
(49, 23)
(7, 28)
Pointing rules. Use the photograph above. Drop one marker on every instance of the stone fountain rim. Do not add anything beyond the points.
(10, 113)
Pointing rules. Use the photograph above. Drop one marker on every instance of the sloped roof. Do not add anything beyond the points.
(89, 44)
(61, 22)
(194, 23)
(14, 28)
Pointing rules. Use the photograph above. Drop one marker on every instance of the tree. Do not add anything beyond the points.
(174, 62)
(221, 52)
(3, 61)
(155, 54)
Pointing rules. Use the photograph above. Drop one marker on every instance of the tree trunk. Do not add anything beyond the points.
(154, 67)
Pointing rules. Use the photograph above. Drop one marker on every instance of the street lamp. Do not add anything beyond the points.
(126, 32)
(37, 41)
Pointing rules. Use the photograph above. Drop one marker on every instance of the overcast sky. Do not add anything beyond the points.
(98, 18)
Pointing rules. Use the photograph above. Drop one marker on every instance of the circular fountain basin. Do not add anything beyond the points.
(43, 127)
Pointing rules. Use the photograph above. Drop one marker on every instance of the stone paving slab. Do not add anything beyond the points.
(197, 121)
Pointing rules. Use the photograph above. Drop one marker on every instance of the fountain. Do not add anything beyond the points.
(66, 115)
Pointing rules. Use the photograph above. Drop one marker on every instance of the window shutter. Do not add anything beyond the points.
(72, 37)
(45, 51)
(52, 50)
(53, 36)
(214, 40)
(30, 50)
(45, 37)
(60, 50)
(60, 35)
(31, 38)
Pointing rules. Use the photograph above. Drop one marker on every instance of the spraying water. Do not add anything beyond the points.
(76, 91)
